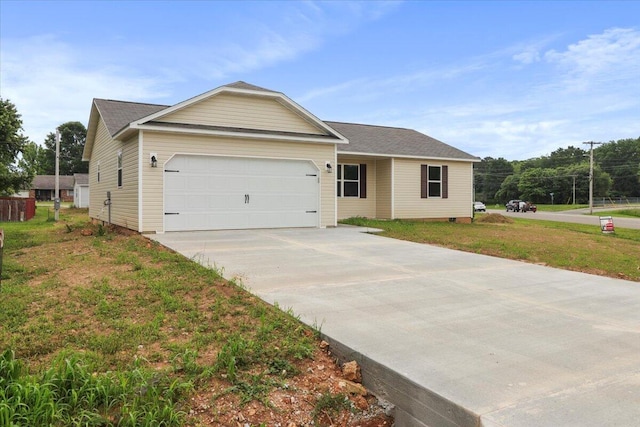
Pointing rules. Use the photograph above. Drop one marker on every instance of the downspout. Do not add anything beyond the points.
(140, 180)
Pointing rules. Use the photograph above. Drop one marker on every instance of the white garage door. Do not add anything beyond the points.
(214, 193)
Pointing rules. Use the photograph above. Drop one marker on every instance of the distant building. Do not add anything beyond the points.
(43, 187)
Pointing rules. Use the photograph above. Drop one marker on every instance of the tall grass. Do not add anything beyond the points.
(69, 394)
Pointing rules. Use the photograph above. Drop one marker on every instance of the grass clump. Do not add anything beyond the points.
(330, 406)
(68, 393)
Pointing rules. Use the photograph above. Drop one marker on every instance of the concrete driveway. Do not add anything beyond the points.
(451, 338)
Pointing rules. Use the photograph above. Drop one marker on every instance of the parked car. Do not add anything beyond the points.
(513, 205)
(479, 207)
(520, 206)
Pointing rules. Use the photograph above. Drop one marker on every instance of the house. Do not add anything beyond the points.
(44, 187)
(241, 156)
(81, 190)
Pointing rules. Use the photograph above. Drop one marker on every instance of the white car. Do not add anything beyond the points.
(479, 207)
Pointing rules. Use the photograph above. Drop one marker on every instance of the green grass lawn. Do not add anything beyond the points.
(556, 244)
(621, 213)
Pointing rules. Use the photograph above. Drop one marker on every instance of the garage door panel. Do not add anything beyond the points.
(209, 193)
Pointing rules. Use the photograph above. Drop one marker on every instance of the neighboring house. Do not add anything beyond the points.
(81, 190)
(241, 156)
(44, 187)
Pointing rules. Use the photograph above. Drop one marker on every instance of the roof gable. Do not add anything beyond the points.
(391, 141)
(245, 112)
(241, 105)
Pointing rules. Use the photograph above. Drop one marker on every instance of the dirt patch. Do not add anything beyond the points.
(494, 218)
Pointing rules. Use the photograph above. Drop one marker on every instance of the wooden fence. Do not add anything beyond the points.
(17, 208)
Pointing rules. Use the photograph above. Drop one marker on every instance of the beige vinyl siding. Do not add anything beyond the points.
(408, 203)
(124, 205)
(241, 111)
(384, 199)
(98, 192)
(166, 145)
(354, 206)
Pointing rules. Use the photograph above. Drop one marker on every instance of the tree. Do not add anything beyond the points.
(536, 184)
(12, 143)
(509, 189)
(34, 159)
(621, 160)
(488, 177)
(72, 138)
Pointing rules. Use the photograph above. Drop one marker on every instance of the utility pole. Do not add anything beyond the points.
(591, 143)
(56, 200)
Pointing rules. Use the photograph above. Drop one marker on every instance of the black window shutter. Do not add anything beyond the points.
(423, 181)
(445, 182)
(363, 181)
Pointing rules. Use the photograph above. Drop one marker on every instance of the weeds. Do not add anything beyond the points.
(329, 406)
(70, 394)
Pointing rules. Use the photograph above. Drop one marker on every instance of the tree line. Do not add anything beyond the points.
(563, 176)
(21, 159)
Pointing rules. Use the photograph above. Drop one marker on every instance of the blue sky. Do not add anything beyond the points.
(501, 79)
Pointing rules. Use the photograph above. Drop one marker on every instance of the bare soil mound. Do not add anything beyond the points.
(494, 218)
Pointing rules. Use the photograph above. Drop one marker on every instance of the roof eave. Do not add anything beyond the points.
(91, 132)
(229, 134)
(408, 156)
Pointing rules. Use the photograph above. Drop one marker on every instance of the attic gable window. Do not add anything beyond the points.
(120, 169)
(434, 181)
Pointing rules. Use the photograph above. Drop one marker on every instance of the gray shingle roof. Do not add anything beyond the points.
(244, 85)
(48, 182)
(81, 178)
(118, 114)
(392, 141)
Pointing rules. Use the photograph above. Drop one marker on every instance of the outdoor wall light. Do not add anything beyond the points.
(154, 160)
(328, 166)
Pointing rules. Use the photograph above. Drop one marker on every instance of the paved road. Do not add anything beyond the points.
(578, 216)
(452, 338)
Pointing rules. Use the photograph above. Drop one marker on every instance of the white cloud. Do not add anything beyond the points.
(527, 57)
(610, 57)
(50, 83)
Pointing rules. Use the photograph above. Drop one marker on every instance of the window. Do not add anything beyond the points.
(98, 171)
(119, 169)
(352, 180)
(434, 181)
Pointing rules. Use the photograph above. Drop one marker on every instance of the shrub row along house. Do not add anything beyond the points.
(241, 157)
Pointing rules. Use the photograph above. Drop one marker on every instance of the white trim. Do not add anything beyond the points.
(393, 189)
(140, 180)
(335, 194)
(242, 135)
(403, 156)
